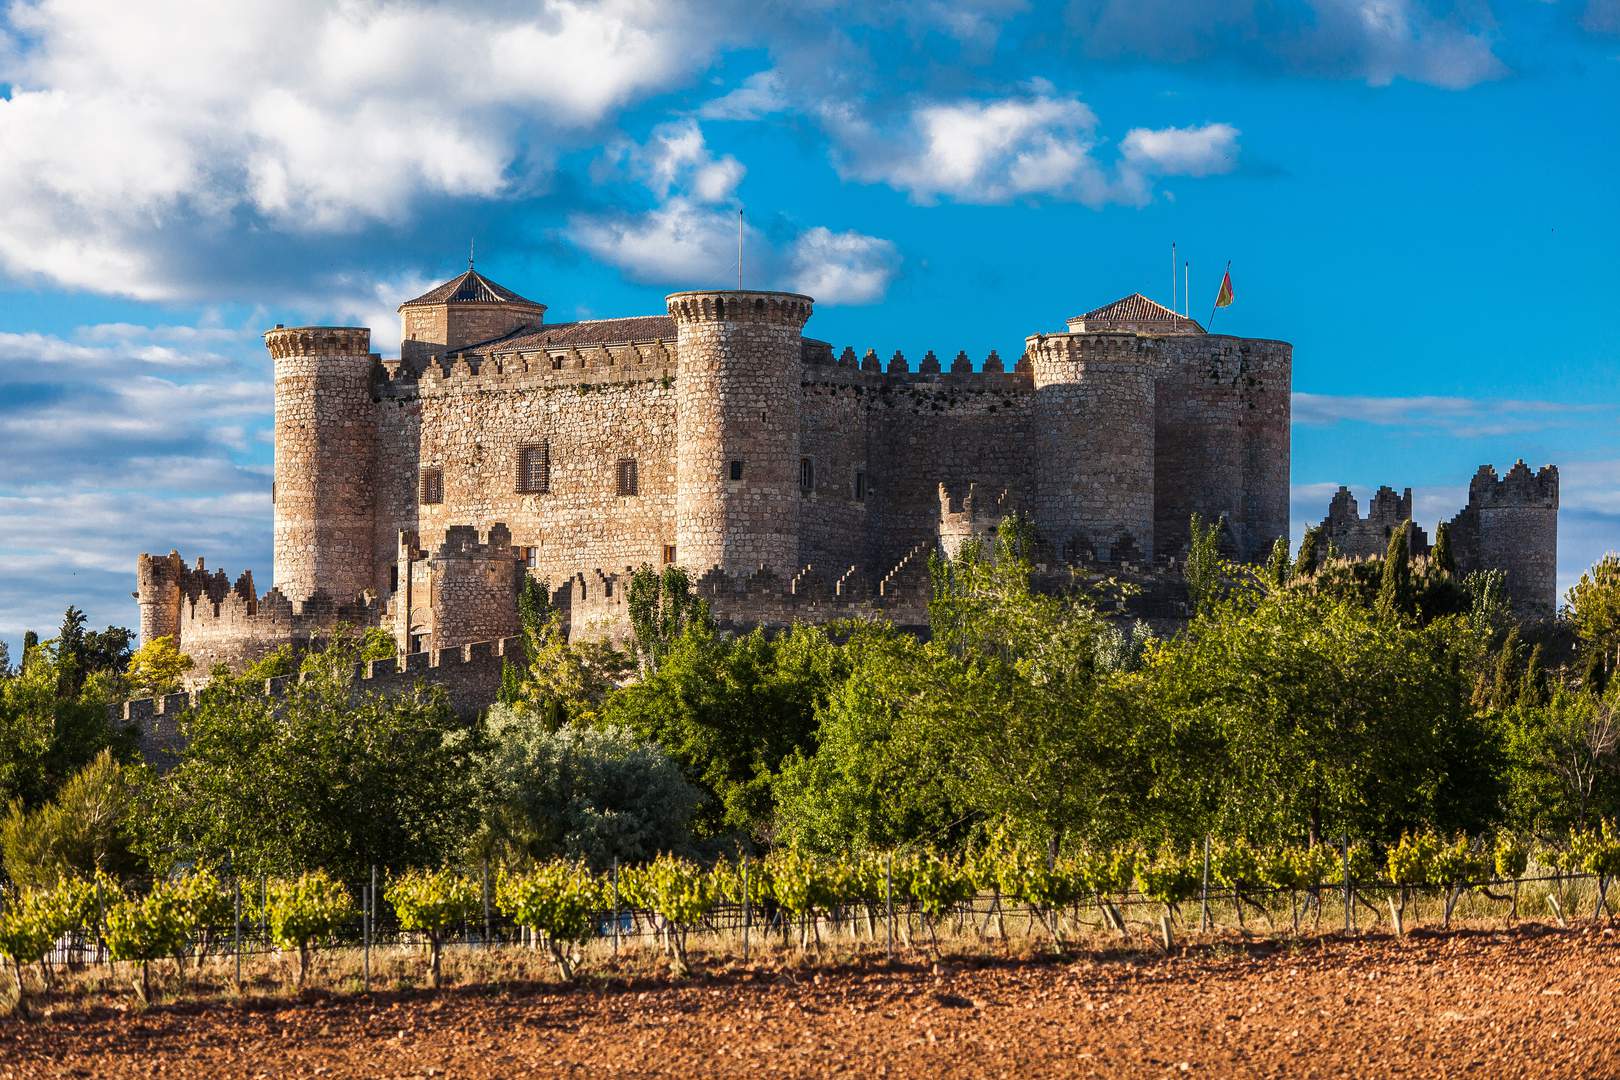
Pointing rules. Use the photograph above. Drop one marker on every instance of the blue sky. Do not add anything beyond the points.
(1420, 196)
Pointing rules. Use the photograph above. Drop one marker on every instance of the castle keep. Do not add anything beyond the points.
(793, 481)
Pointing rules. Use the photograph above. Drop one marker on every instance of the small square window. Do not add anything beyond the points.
(627, 479)
(669, 554)
(736, 470)
(534, 468)
(432, 486)
(807, 475)
(860, 485)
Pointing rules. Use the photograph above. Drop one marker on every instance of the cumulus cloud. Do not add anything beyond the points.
(998, 150)
(689, 239)
(761, 94)
(842, 268)
(132, 130)
(1459, 416)
(1375, 41)
(127, 438)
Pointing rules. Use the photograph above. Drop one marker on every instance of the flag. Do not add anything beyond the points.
(1224, 297)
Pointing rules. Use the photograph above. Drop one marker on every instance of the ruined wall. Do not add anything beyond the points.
(1222, 421)
(471, 417)
(1368, 537)
(1511, 524)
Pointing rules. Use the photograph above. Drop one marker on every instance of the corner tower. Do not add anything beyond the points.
(325, 445)
(1094, 439)
(737, 394)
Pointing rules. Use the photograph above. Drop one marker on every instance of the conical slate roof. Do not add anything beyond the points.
(1135, 312)
(470, 288)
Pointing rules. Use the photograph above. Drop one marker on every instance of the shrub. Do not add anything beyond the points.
(147, 928)
(432, 902)
(561, 901)
(302, 910)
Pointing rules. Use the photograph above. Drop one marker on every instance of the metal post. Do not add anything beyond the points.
(236, 928)
(888, 904)
(486, 902)
(615, 909)
(1203, 918)
(365, 936)
(101, 920)
(1344, 847)
(264, 907)
(747, 911)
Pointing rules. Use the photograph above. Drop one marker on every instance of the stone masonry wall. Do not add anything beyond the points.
(325, 442)
(737, 455)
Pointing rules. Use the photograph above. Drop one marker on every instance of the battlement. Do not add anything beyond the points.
(286, 341)
(1365, 537)
(728, 305)
(1112, 349)
(465, 542)
(577, 365)
(470, 675)
(866, 369)
(1519, 488)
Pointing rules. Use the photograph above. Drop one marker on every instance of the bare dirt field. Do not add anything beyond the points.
(1530, 1002)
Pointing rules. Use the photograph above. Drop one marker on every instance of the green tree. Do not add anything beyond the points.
(730, 711)
(580, 793)
(662, 606)
(1442, 555)
(1395, 584)
(46, 738)
(1316, 716)
(157, 668)
(90, 826)
(1204, 564)
(558, 680)
(1592, 604)
(1563, 761)
(320, 777)
(303, 910)
(431, 903)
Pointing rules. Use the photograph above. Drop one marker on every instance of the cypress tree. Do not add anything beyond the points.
(1277, 565)
(1310, 552)
(1395, 590)
(1441, 556)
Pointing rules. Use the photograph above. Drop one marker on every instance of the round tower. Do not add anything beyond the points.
(737, 393)
(325, 444)
(1094, 398)
(157, 592)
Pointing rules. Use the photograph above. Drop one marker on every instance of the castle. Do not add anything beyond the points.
(792, 481)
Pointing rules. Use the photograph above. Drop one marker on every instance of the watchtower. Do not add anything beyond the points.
(737, 393)
(326, 438)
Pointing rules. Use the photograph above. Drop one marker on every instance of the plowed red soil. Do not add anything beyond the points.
(1530, 1003)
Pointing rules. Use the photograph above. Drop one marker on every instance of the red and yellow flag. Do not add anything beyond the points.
(1224, 297)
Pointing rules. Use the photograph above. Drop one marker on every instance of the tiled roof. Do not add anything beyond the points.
(586, 332)
(1137, 309)
(470, 288)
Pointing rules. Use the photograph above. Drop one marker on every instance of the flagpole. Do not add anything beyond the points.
(739, 247)
(1172, 275)
(1216, 305)
(1186, 287)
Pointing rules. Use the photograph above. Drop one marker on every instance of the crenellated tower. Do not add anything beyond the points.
(1511, 524)
(737, 491)
(325, 433)
(1093, 443)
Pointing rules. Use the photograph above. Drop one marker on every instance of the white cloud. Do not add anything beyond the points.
(134, 130)
(761, 94)
(1001, 150)
(843, 268)
(687, 240)
(680, 242)
(1459, 416)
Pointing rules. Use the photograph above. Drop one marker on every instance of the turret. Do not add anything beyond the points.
(737, 398)
(1094, 440)
(325, 445)
(157, 592)
(1511, 524)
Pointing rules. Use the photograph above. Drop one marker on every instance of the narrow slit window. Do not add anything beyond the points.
(807, 475)
(736, 470)
(627, 479)
(534, 468)
(432, 486)
(860, 485)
